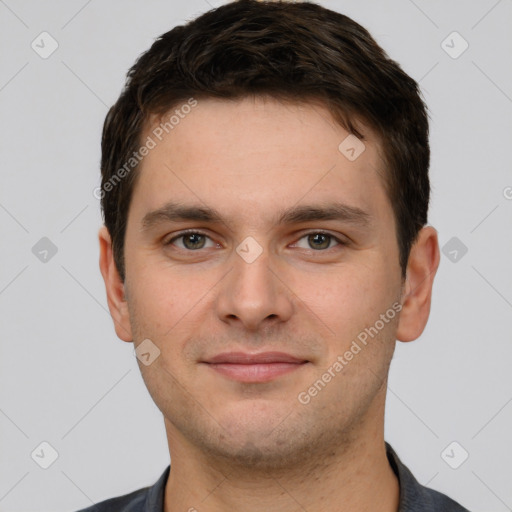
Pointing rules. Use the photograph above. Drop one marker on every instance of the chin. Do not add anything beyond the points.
(255, 418)
(259, 452)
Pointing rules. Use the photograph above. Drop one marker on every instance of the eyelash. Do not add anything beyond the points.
(341, 243)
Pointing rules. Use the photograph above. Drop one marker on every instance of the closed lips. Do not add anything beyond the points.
(254, 368)
(261, 358)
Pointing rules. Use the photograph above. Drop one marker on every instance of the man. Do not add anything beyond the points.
(265, 192)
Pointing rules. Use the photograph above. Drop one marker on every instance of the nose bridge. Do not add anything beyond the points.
(251, 292)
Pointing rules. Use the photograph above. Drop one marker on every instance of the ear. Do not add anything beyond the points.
(417, 289)
(114, 286)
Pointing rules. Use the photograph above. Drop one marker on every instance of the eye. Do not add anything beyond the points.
(319, 241)
(191, 240)
(196, 240)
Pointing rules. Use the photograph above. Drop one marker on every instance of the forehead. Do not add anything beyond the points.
(254, 156)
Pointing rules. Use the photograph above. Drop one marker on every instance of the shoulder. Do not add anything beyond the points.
(146, 499)
(441, 502)
(133, 502)
(415, 497)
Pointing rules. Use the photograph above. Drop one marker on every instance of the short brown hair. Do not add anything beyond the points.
(290, 51)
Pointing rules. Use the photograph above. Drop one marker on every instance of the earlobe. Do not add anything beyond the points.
(417, 289)
(114, 286)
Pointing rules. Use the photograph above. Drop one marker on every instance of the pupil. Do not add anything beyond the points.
(192, 240)
(316, 238)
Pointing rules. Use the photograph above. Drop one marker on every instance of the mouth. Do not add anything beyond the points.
(262, 367)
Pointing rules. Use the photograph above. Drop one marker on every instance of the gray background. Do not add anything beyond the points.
(66, 379)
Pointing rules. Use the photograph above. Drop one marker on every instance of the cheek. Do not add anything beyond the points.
(155, 306)
(345, 303)
(167, 308)
(339, 295)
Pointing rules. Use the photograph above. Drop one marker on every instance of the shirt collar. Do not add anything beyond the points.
(155, 496)
(413, 496)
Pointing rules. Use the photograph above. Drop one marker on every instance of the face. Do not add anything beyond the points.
(290, 248)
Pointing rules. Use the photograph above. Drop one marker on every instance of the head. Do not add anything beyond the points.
(257, 120)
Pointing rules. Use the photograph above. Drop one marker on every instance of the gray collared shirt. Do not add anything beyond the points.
(413, 496)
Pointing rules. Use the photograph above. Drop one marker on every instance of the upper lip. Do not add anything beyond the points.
(247, 358)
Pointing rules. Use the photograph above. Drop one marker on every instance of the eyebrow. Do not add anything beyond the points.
(175, 212)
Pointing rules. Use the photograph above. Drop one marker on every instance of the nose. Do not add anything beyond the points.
(253, 294)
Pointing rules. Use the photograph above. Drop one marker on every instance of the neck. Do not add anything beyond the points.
(354, 477)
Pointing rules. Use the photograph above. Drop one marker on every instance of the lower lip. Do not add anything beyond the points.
(262, 372)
